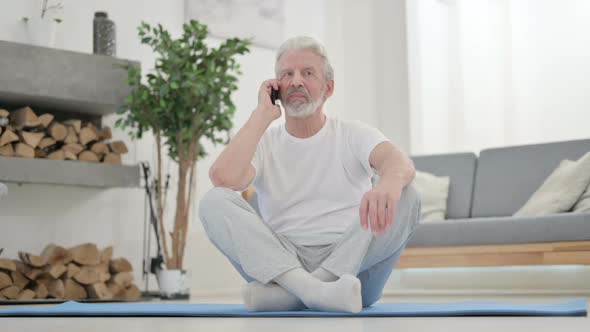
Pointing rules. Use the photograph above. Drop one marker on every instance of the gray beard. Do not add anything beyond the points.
(304, 110)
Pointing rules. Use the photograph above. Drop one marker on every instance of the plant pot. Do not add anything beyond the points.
(41, 31)
(174, 284)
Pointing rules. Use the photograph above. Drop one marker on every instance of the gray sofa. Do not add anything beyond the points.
(485, 191)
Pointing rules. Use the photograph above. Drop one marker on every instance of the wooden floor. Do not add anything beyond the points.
(455, 324)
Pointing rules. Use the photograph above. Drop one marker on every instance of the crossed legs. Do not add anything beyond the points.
(277, 280)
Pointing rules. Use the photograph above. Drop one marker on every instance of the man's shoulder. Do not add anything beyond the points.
(347, 124)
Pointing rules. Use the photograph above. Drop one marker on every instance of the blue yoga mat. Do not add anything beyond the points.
(575, 307)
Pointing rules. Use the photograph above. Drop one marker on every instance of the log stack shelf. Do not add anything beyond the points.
(68, 85)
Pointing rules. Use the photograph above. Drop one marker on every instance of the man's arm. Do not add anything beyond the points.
(396, 170)
(233, 168)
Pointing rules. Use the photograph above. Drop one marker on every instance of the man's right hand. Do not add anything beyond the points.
(265, 108)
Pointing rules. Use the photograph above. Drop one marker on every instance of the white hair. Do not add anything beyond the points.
(306, 43)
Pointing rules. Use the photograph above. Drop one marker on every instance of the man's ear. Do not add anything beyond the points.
(329, 88)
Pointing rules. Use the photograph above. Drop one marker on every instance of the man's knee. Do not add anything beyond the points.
(412, 202)
(213, 200)
(410, 196)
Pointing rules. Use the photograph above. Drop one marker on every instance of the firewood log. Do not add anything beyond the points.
(23, 150)
(26, 294)
(95, 130)
(33, 273)
(7, 264)
(5, 280)
(32, 139)
(100, 149)
(6, 150)
(46, 142)
(57, 155)
(106, 133)
(56, 289)
(4, 113)
(88, 275)
(71, 137)
(72, 271)
(32, 260)
(106, 254)
(112, 158)
(118, 147)
(88, 155)
(87, 135)
(19, 280)
(73, 148)
(45, 119)
(99, 291)
(123, 279)
(41, 291)
(120, 265)
(8, 137)
(85, 254)
(69, 155)
(116, 289)
(132, 293)
(74, 291)
(75, 124)
(56, 254)
(55, 270)
(24, 117)
(10, 292)
(57, 131)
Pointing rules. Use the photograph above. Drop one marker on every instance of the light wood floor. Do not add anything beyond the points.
(455, 324)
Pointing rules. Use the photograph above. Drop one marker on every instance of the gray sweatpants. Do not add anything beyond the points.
(258, 253)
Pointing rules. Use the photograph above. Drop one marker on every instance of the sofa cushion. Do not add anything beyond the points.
(507, 177)
(561, 190)
(460, 167)
(503, 230)
(434, 191)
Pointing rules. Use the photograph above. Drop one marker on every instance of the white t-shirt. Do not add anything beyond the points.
(309, 190)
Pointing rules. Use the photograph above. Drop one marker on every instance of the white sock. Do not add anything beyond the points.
(341, 295)
(324, 275)
(271, 297)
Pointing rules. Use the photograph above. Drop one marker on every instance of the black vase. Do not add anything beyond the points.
(104, 35)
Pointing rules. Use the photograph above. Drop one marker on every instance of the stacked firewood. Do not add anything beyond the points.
(24, 134)
(78, 273)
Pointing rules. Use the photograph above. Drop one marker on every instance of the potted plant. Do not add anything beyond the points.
(185, 98)
(41, 29)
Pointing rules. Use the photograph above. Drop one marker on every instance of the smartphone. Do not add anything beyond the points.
(274, 96)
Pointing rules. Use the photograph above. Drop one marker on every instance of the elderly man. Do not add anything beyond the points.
(324, 237)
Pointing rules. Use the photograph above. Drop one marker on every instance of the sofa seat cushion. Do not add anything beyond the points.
(503, 230)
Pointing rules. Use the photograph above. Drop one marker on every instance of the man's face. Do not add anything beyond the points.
(302, 84)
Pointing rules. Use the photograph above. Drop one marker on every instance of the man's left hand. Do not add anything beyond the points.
(378, 207)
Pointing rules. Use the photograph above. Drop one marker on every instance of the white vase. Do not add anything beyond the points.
(41, 31)
(174, 284)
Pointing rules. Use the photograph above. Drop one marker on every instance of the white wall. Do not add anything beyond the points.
(495, 73)
(551, 52)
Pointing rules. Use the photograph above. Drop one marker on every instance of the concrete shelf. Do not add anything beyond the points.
(74, 173)
(62, 80)
(67, 84)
